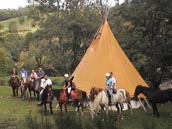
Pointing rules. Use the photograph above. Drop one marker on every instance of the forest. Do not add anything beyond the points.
(55, 34)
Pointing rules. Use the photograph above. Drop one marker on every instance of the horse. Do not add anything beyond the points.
(14, 82)
(154, 96)
(100, 98)
(47, 97)
(77, 98)
(29, 86)
(93, 92)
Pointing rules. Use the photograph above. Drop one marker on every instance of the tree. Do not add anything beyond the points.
(5, 61)
(144, 32)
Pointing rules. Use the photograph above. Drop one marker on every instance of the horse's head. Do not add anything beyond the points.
(92, 93)
(14, 82)
(138, 90)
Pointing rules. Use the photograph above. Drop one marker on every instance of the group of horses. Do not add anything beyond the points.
(98, 96)
(78, 96)
(26, 88)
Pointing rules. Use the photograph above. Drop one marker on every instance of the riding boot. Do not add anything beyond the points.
(109, 96)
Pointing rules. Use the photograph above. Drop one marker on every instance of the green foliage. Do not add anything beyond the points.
(12, 42)
(142, 28)
(12, 27)
(21, 19)
(5, 62)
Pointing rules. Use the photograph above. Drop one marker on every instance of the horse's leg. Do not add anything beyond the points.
(45, 108)
(82, 107)
(38, 96)
(65, 105)
(13, 89)
(17, 91)
(119, 111)
(156, 110)
(60, 105)
(153, 106)
(130, 107)
(51, 107)
(30, 93)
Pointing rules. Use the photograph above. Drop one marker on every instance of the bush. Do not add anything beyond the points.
(4, 81)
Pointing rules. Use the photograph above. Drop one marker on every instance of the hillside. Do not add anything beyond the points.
(23, 27)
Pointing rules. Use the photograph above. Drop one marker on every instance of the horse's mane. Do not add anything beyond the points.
(56, 92)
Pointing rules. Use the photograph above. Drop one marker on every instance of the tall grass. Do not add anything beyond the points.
(18, 114)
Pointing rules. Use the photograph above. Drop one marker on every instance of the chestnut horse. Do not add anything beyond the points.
(154, 96)
(14, 82)
(77, 98)
(100, 98)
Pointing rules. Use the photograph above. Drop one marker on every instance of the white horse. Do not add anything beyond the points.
(102, 100)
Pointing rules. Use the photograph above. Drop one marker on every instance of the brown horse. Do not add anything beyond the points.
(78, 96)
(14, 82)
(93, 92)
(29, 86)
(47, 97)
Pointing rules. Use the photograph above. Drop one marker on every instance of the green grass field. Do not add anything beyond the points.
(22, 28)
(18, 114)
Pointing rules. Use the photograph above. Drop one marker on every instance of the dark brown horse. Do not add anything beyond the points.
(154, 96)
(78, 96)
(47, 97)
(14, 82)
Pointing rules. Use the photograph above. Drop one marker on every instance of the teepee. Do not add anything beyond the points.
(105, 55)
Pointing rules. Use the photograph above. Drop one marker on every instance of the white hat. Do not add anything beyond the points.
(107, 75)
(66, 75)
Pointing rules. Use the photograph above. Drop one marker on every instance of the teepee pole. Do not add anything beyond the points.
(147, 103)
(142, 104)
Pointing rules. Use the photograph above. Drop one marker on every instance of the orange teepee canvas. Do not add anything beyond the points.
(105, 55)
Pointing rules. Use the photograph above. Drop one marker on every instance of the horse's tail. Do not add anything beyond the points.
(84, 95)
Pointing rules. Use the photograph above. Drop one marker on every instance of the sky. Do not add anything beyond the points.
(15, 4)
(12, 4)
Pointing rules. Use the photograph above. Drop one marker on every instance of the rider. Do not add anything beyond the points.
(44, 83)
(23, 74)
(41, 74)
(33, 75)
(109, 87)
(113, 82)
(13, 72)
(13, 75)
(68, 86)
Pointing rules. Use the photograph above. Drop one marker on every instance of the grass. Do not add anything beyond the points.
(23, 28)
(18, 114)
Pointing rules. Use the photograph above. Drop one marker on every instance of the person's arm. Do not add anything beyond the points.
(68, 84)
